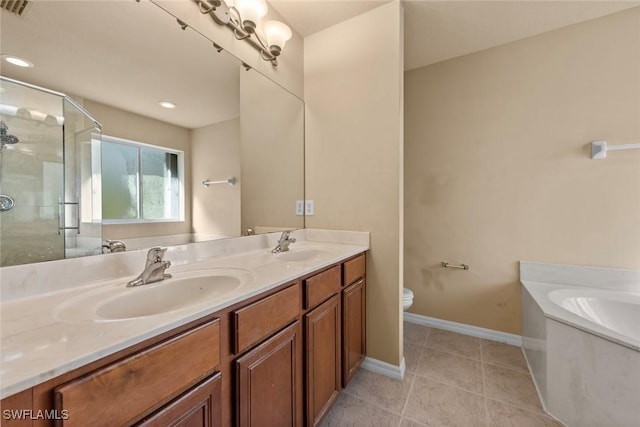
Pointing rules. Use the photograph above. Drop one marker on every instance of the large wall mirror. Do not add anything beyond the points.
(88, 154)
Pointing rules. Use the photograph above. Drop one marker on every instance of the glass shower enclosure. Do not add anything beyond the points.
(50, 190)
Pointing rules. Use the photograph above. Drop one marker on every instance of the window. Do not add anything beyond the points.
(140, 182)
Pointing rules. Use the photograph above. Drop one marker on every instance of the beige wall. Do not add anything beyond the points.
(123, 124)
(288, 73)
(353, 96)
(272, 152)
(497, 166)
(215, 151)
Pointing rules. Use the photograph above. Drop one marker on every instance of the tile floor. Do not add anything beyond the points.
(451, 380)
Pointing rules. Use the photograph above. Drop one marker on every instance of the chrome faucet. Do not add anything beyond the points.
(284, 242)
(154, 268)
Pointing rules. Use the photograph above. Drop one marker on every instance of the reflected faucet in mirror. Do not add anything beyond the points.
(153, 269)
(113, 246)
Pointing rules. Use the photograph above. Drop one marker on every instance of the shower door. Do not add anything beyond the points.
(81, 208)
(50, 195)
(31, 175)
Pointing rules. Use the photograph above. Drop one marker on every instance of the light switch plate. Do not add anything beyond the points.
(299, 207)
(308, 207)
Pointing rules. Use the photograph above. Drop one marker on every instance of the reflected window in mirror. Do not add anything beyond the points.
(141, 182)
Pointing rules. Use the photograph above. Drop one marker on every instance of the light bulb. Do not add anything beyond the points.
(17, 61)
(251, 12)
(277, 35)
(167, 104)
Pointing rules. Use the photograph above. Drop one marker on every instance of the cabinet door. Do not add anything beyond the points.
(269, 381)
(354, 346)
(198, 407)
(323, 358)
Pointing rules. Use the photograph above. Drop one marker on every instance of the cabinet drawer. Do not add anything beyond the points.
(354, 269)
(121, 393)
(321, 286)
(260, 319)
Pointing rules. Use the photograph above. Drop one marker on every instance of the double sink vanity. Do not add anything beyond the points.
(237, 335)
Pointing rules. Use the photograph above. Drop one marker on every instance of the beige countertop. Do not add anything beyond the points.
(50, 329)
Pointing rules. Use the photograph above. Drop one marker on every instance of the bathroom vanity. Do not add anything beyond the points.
(275, 352)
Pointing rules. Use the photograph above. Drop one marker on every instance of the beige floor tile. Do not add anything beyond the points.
(452, 342)
(409, 423)
(412, 354)
(383, 391)
(505, 415)
(505, 355)
(435, 404)
(510, 386)
(414, 333)
(349, 411)
(451, 369)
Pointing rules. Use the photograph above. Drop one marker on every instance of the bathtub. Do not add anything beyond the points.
(611, 315)
(581, 339)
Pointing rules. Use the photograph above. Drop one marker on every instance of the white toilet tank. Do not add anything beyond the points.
(407, 298)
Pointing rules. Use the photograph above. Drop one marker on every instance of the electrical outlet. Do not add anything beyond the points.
(308, 207)
(299, 207)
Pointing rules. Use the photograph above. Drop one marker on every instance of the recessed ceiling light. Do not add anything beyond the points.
(167, 104)
(17, 61)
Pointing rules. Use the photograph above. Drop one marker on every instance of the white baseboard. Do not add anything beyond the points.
(384, 368)
(461, 328)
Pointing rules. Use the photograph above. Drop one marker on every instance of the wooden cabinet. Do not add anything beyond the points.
(269, 381)
(275, 359)
(198, 407)
(322, 353)
(120, 393)
(354, 348)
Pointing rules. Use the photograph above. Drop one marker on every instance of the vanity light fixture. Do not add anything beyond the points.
(244, 18)
(20, 62)
(167, 104)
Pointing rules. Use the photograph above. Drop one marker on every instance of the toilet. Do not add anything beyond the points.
(407, 298)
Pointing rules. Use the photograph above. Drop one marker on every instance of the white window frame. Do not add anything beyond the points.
(137, 144)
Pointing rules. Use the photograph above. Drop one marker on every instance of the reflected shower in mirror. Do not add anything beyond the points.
(119, 61)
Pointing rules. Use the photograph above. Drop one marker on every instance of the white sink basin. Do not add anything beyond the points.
(184, 290)
(306, 254)
(177, 294)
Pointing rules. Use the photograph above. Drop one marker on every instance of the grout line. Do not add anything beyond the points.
(475, 359)
(406, 400)
(377, 405)
(484, 387)
(450, 385)
(533, 411)
(426, 338)
(414, 421)
(520, 371)
(529, 410)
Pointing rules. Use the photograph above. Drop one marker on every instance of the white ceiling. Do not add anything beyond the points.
(310, 16)
(440, 30)
(124, 54)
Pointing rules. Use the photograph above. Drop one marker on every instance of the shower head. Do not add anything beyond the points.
(5, 138)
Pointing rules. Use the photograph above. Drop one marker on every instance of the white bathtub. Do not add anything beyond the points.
(582, 343)
(613, 315)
